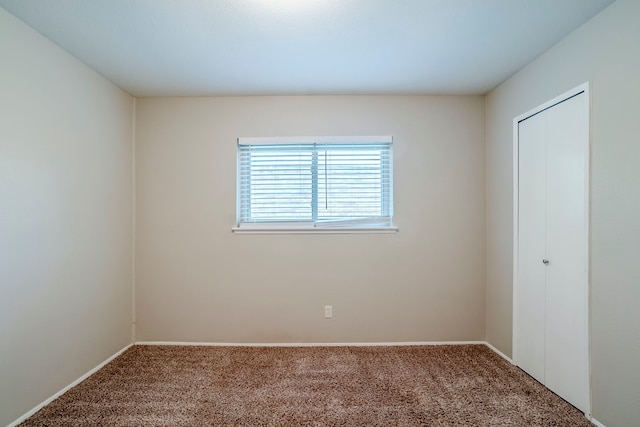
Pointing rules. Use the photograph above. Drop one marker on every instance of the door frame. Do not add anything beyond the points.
(583, 88)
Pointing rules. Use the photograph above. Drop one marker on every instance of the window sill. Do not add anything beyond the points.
(315, 230)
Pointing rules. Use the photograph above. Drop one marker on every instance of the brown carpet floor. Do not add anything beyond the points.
(309, 386)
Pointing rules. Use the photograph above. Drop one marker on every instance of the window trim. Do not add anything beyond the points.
(311, 227)
(280, 229)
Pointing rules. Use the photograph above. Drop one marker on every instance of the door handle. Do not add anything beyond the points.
(545, 261)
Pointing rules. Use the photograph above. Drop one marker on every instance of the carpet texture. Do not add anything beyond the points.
(309, 386)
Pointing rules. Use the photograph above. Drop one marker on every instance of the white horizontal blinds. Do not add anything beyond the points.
(324, 184)
(354, 183)
(275, 183)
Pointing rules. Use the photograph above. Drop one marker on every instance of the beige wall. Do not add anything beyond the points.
(605, 51)
(65, 218)
(197, 281)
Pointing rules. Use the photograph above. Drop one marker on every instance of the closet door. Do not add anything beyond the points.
(566, 349)
(551, 294)
(532, 246)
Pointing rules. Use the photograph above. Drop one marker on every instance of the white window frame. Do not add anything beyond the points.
(309, 227)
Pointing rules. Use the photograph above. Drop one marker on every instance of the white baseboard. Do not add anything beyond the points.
(307, 344)
(64, 390)
(499, 353)
(596, 423)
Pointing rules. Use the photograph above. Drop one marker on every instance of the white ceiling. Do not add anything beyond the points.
(244, 47)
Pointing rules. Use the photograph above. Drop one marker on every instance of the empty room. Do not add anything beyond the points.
(319, 212)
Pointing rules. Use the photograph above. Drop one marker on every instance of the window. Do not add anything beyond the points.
(315, 184)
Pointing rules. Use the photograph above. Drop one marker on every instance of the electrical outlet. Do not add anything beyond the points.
(328, 312)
